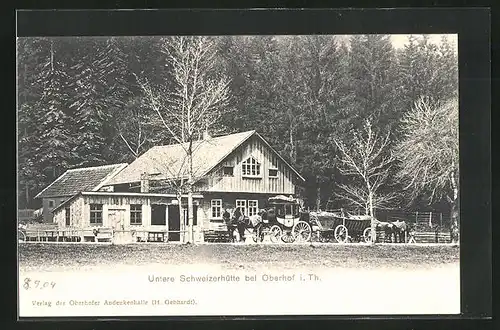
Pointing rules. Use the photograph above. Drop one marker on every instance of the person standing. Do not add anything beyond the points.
(240, 224)
(226, 216)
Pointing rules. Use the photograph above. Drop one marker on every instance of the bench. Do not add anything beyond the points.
(41, 232)
(104, 234)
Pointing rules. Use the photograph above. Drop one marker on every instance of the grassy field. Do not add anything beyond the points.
(427, 277)
(55, 257)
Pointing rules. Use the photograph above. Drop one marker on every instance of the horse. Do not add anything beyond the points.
(242, 222)
(386, 227)
(400, 228)
(395, 231)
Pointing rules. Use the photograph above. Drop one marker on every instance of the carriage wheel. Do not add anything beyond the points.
(275, 234)
(21, 236)
(288, 237)
(367, 235)
(302, 231)
(341, 234)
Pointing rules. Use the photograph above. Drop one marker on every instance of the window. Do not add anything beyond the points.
(67, 214)
(216, 205)
(253, 207)
(51, 203)
(242, 205)
(273, 172)
(96, 214)
(136, 214)
(227, 171)
(250, 167)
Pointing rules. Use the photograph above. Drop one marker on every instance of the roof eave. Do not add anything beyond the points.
(65, 202)
(40, 194)
(110, 176)
(251, 133)
(282, 159)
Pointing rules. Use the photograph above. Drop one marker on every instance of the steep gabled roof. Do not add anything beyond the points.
(170, 161)
(81, 179)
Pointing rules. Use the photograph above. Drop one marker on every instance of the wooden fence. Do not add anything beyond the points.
(51, 233)
(25, 214)
(426, 227)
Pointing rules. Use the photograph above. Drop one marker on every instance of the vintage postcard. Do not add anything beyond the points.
(238, 175)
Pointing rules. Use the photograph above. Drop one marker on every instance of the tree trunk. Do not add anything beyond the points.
(190, 195)
(27, 196)
(455, 210)
(292, 146)
(181, 218)
(52, 55)
(455, 219)
(373, 226)
(318, 194)
(190, 214)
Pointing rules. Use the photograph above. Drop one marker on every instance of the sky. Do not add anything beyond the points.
(399, 40)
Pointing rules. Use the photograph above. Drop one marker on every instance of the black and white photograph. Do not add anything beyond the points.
(195, 175)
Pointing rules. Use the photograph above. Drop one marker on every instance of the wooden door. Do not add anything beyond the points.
(158, 215)
(289, 217)
(174, 223)
(116, 219)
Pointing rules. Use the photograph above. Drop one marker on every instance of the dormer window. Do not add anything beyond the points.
(250, 168)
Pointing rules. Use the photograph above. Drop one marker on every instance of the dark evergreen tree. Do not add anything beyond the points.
(100, 87)
(373, 71)
(54, 151)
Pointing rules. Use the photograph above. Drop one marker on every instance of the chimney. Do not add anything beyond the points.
(206, 135)
(144, 182)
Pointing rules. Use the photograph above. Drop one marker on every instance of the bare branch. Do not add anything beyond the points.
(428, 150)
(367, 159)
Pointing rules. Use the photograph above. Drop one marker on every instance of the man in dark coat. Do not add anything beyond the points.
(240, 223)
(226, 216)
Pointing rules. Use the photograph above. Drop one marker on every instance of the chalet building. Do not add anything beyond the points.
(132, 216)
(233, 171)
(74, 181)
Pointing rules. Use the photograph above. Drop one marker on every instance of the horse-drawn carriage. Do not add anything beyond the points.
(342, 227)
(282, 220)
(286, 221)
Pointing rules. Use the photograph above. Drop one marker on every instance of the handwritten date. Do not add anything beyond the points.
(37, 284)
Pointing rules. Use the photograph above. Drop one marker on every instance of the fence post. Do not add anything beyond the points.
(430, 219)
(416, 218)
(441, 219)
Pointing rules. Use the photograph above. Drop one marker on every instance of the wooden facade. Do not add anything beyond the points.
(128, 213)
(241, 171)
(273, 177)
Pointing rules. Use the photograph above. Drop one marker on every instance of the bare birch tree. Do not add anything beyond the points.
(366, 161)
(191, 106)
(428, 153)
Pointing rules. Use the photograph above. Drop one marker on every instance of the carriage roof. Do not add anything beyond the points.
(281, 199)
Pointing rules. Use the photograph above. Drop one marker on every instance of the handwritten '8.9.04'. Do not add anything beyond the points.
(37, 284)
